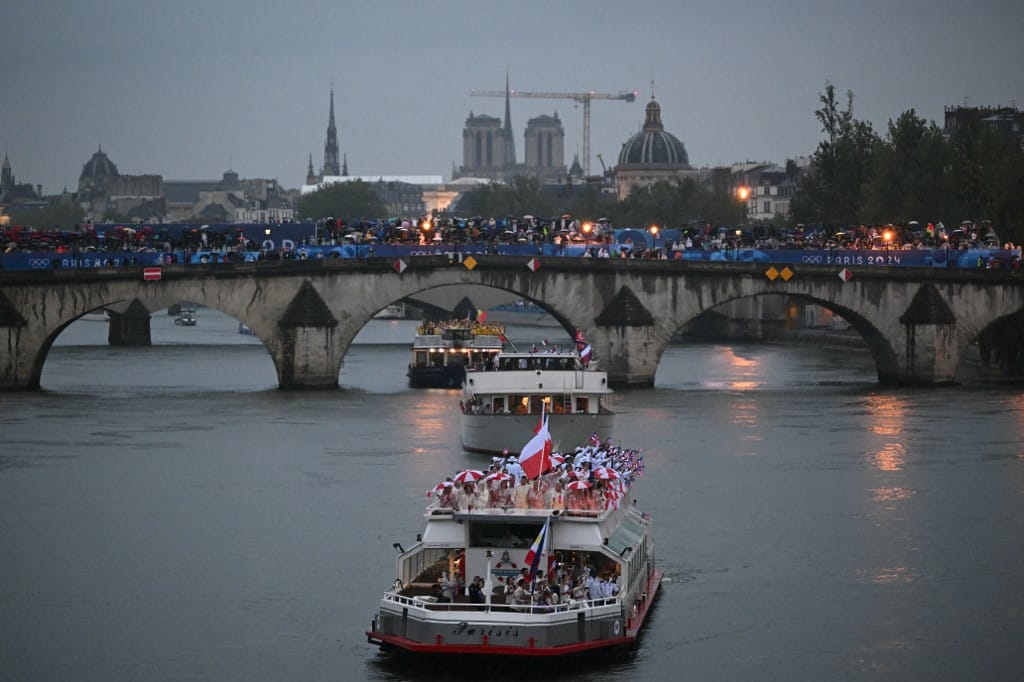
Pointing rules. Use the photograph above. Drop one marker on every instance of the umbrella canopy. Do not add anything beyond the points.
(577, 485)
(605, 473)
(499, 476)
(469, 476)
(439, 487)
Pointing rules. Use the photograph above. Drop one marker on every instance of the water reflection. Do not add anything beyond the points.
(887, 417)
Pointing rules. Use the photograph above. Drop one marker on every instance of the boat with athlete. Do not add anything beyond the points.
(561, 564)
(442, 350)
(502, 401)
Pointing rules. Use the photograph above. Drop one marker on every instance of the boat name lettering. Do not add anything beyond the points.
(490, 631)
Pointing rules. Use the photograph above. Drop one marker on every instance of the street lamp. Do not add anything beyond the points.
(653, 229)
(586, 228)
(743, 193)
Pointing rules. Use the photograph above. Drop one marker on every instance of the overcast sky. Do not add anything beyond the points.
(188, 89)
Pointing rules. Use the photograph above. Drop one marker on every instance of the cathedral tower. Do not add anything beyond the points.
(330, 166)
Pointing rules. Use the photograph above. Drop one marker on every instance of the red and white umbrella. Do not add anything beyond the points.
(499, 476)
(605, 474)
(557, 459)
(469, 476)
(577, 485)
(439, 487)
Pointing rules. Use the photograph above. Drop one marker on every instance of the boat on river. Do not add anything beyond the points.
(186, 318)
(502, 402)
(598, 558)
(442, 350)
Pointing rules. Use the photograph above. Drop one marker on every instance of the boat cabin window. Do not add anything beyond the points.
(582, 404)
(420, 358)
(437, 359)
(499, 405)
(554, 362)
(500, 534)
(561, 404)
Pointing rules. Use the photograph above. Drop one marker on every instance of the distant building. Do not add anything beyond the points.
(230, 199)
(16, 196)
(650, 156)
(489, 151)
(1008, 121)
(544, 148)
(771, 187)
(103, 192)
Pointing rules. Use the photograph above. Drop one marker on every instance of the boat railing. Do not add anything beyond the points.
(430, 603)
(434, 510)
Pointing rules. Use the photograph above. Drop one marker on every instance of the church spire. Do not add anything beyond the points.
(344, 165)
(510, 140)
(330, 166)
(310, 175)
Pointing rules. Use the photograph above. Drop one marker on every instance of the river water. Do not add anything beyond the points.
(167, 514)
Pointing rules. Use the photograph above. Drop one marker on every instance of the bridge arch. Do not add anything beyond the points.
(917, 322)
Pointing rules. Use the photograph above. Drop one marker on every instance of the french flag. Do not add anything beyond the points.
(585, 354)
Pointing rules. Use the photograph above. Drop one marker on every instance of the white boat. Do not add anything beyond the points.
(432, 611)
(395, 311)
(186, 318)
(502, 405)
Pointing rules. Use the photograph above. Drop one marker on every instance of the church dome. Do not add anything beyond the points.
(652, 146)
(99, 166)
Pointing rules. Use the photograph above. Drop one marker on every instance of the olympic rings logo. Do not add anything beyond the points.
(812, 259)
(39, 262)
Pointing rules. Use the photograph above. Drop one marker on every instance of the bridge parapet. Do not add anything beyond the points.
(308, 312)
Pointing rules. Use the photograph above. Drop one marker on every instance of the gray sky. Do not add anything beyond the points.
(188, 89)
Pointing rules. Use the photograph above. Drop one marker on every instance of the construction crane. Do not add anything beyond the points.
(578, 97)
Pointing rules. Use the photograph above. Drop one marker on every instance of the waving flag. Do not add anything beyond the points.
(580, 341)
(595, 440)
(585, 354)
(537, 549)
(535, 457)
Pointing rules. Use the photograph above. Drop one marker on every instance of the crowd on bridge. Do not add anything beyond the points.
(564, 235)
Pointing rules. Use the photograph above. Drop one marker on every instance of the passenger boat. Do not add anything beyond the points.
(603, 560)
(442, 350)
(501, 404)
(186, 318)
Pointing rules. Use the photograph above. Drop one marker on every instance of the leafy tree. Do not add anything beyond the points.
(910, 177)
(841, 166)
(356, 199)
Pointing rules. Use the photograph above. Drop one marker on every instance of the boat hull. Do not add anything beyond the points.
(499, 631)
(451, 376)
(493, 433)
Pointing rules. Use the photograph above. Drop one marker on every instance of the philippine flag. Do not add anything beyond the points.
(536, 550)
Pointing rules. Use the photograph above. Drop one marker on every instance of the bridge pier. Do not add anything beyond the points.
(929, 331)
(630, 355)
(308, 354)
(131, 327)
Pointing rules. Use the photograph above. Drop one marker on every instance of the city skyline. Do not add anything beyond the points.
(188, 94)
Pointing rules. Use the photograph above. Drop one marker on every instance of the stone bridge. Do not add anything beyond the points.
(917, 323)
